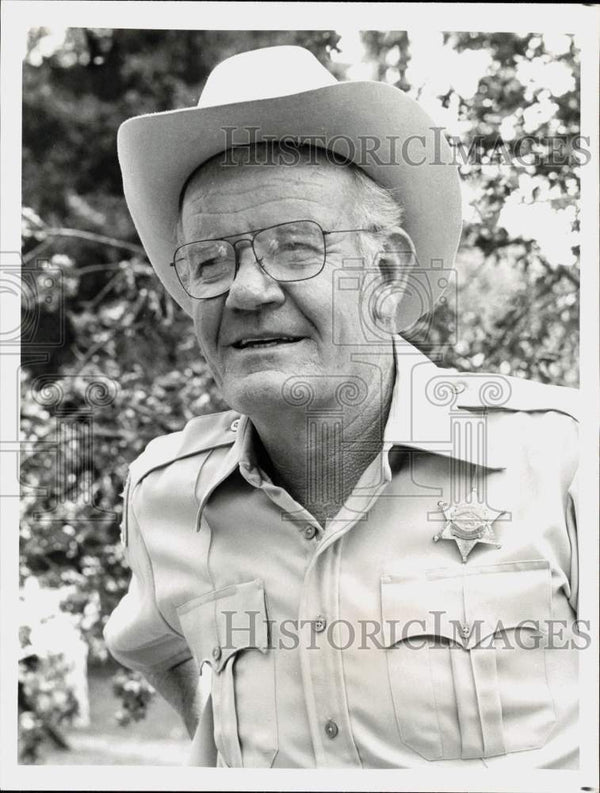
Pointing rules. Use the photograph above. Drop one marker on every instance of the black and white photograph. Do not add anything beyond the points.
(299, 359)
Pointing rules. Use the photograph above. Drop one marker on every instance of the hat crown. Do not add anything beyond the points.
(264, 74)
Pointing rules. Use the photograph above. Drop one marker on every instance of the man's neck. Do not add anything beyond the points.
(319, 456)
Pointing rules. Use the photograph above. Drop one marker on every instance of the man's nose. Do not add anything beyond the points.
(252, 288)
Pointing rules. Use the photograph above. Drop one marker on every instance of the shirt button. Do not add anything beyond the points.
(309, 532)
(234, 425)
(216, 652)
(331, 729)
(319, 624)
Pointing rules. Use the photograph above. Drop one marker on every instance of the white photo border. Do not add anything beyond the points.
(580, 20)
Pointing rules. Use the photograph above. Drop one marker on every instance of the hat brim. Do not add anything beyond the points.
(380, 128)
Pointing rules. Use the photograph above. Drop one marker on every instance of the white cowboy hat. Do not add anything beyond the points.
(280, 93)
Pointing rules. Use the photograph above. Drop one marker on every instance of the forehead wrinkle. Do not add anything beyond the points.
(237, 187)
(327, 221)
(200, 198)
(217, 178)
(256, 204)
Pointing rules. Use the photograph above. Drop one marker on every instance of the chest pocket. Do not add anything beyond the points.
(228, 629)
(466, 659)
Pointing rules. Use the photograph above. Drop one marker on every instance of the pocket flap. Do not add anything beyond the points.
(225, 621)
(414, 606)
(467, 605)
(506, 596)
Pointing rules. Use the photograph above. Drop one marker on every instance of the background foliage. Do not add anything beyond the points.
(94, 314)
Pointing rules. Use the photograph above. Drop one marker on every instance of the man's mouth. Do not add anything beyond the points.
(266, 341)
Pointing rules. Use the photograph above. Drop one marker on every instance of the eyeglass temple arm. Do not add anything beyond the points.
(399, 229)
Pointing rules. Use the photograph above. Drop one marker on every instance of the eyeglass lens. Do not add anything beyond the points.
(287, 252)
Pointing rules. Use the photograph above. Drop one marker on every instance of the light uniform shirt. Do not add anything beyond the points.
(368, 643)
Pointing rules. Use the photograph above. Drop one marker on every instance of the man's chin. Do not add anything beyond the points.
(258, 392)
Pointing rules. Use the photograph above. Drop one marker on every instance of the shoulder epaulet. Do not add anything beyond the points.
(200, 434)
(497, 391)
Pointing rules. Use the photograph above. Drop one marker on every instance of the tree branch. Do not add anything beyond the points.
(84, 235)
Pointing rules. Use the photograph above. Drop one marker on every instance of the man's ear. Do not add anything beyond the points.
(400, 303)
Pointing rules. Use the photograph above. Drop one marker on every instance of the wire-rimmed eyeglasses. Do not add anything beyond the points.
(287, 252)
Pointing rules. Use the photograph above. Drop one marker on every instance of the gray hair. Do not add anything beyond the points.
(376, 209)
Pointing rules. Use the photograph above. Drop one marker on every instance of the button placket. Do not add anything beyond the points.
(322, 670)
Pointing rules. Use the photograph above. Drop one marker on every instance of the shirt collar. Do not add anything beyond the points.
(431, 409)
(216, 471)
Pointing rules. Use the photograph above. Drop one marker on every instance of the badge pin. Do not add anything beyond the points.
(467, 524)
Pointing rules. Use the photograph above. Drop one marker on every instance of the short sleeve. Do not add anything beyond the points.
(136, 634)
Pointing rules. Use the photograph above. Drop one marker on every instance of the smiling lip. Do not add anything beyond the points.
(261, 342)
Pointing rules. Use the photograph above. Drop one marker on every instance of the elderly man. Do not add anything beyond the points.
(369, 556)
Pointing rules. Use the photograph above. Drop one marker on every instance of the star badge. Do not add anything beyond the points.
(467, 524)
